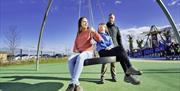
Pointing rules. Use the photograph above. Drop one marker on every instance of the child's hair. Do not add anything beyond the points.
(104, 25)
(111, 14)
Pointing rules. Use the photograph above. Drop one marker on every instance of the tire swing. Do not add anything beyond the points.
(100, 60)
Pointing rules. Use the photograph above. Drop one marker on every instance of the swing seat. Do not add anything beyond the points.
(100, 60)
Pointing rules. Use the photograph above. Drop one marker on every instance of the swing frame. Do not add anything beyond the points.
(102, 60)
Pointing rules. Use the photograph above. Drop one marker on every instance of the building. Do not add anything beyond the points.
(3, 56)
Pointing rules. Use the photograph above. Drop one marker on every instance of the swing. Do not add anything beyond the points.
(101, 60)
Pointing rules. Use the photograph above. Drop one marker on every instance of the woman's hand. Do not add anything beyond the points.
(76, 51)
(92, 29)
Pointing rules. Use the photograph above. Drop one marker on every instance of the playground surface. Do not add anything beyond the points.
(157, 76)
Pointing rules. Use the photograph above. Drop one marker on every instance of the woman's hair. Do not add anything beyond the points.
(79, 24)
(104, 25)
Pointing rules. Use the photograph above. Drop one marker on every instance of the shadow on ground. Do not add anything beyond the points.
(17, 78)
(19, 86)
(165, 71)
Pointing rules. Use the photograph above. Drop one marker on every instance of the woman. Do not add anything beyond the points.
(83, 49)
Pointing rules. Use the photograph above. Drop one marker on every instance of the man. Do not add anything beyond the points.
(120, 54)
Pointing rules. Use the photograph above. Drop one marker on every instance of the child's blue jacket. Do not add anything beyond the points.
(106, 42)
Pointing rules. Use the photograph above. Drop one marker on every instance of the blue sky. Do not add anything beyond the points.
(61, 23)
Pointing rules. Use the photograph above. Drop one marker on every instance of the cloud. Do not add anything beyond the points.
(103, 3)
(44, 1)
(54, 8)
(178, 4)
(174, 2)
(21, 1)
(138, 33)
(26, 1)
(117, 2)
(33, 2)
(78, 2)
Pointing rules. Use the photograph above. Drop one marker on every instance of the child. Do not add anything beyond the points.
(106, 44)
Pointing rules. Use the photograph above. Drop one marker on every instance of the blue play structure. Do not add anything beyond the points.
(162, 51)
(158, 47)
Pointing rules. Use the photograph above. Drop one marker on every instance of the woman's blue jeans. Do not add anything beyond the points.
(76, 63)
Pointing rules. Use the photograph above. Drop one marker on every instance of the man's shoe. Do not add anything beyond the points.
(102, 80)
(114, 79)
(133, 71)
(78, 88)
(71, 87)
(132, 80)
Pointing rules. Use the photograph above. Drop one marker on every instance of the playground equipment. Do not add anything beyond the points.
(158, 44)
(170, 19)
(152, 39)
(105, 60)
(41, 32)
(101, 60)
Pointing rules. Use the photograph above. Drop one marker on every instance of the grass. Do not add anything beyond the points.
(158, 76)
(32, 61)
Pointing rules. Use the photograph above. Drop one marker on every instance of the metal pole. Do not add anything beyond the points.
(41, 32)
(170, 19)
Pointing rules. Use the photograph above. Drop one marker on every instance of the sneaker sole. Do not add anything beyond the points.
(134, 73)
(132, 82)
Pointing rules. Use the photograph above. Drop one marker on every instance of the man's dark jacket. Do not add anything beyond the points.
(114, 32)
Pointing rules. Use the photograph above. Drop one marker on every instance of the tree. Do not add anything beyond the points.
(139, 43)
(130, 40)
(12, 39)
(167, 35)
(42, 48)
(67, 50)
